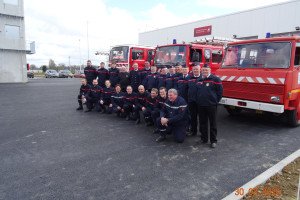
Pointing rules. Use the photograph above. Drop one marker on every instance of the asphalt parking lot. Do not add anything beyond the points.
(49, 150)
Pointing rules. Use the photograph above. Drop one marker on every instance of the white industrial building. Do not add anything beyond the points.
(13, 46)
(278, 20)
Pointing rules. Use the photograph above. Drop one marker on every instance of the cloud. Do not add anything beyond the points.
(60, 27)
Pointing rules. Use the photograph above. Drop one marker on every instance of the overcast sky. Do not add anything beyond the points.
(59, 27)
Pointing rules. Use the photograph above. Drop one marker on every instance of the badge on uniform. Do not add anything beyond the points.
(207, 84)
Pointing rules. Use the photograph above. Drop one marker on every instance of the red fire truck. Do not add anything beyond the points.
(126, 55)
(263, 75)
(199, 52)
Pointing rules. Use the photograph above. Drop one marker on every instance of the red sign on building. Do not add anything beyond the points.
(201, 31)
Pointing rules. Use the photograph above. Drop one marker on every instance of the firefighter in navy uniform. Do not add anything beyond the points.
(140, 102)
(182, 84)
(161, 80)
(135, 77)
(129, 100)
(170, 78)
(90, 73)
(93, 97)
(117, 100)
(151, 102)
(105, 100)
(161, 99)
(113, 74)
(178, 75)
(209, 93)
(192, 100)
(124, 78)
(102, 74)
(146, 71)
(151, 80)
(84, 89)
(173, 117)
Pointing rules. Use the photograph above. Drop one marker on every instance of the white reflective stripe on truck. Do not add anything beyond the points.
(253, 105)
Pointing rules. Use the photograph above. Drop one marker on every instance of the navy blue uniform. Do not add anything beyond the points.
(129, 101)
(84, 90)
(93, 97)
(144, 73)
(158, 107)
(161, 81)
(135, 79)
(170, 81)
(140, 102)
(151, 104)
(209, 93)
(114, 76)
(192, 104)
(124, 80)
(106, 98)
(151, 81)
(176, 113)
(182, 86)
(90, 74)
(103, 75)
(117, 100)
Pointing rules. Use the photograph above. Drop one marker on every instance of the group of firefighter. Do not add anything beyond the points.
(173, 100)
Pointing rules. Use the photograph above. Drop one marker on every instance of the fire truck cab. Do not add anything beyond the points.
(263, 75)
(126, 55)
(188, 55)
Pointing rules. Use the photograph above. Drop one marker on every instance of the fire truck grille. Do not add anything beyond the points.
(253, 91)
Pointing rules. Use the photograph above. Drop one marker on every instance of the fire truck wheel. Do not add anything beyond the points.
(292, 118)
(233, 110)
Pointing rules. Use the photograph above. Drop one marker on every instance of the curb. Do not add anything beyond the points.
(263, 177)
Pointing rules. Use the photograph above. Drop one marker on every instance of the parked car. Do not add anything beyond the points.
(79, 75)
(65, 74)
(51, 73)
(30, 74)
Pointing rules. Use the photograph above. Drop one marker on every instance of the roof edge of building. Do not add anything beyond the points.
(225, 15)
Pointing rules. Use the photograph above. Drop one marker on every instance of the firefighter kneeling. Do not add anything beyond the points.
(173, 117)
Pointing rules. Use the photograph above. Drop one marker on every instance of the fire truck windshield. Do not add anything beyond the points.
(258, 55)
(119, 54)
(170, 55)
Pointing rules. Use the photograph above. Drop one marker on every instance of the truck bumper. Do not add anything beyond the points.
(253, 105)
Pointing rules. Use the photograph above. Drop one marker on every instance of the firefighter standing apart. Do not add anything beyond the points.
(209, 93)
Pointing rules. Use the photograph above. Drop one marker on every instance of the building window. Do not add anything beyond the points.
(12, 2)
(12, 32)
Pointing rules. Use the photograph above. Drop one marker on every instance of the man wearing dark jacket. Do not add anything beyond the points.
(146, 71)
(105, 100)
(170, 79)
(159, 106)
(124, 78)
(151, 80)
(182, 84)
(93, 97)
(113, 75)
(209, 93)
(192, 100)
(135, 77)
(103, 75)
(117, 100)
(151, 102)
(140, 102)
(90, 73)
(161, 80)
(173, 117)
(129, 100)
(84, 90)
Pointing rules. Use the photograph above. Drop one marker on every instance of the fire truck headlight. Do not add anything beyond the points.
(275, 99)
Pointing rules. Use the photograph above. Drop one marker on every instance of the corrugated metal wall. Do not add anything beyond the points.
(279, 18)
